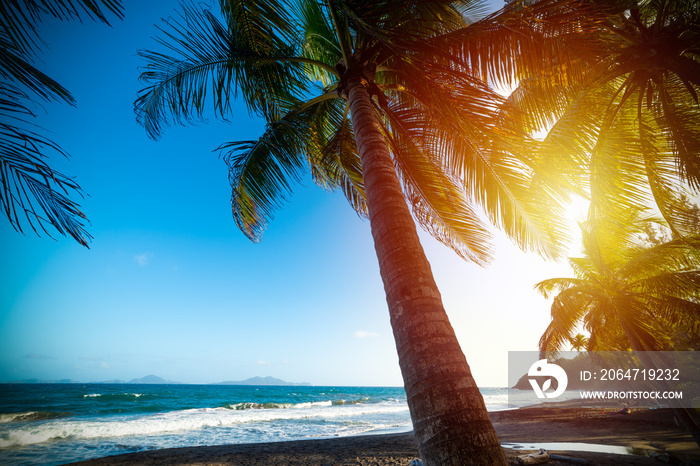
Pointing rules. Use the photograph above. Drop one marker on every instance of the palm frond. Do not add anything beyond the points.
(678, 312)
(32, 191)
(613, 85)
(335, 162)
(19, 19)
(617, 170)
(261, 172)
(17, 72)
(438, 202)
(263, 26)
(683, 284)
(527, 42)
(677, 255)
(214, 61)
(638, 325)
(399, 24)
(460, 121)
(556, 285)
(661, 169)
(320, 42)
(568, 308)
(679, 125)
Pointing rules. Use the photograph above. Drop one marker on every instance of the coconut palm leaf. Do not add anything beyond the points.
(319, 41)
(455, 119)
(14, 68)
(210, 59)
(261, 172)
(680, 285)
(32, 191)
(632, 296)
(684, 312)
(338, 163)
(568, 308)
(19, 18)
(440, 204)
(634, 92)
(680, 254)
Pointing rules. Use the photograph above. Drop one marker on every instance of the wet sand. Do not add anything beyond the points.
(647, 431)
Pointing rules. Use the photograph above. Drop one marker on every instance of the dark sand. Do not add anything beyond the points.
(647, 430)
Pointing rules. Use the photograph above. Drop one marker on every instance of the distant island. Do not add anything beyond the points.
(149, 379)
(64, 381)
(264, 381)
(153, 379)
(156, 380)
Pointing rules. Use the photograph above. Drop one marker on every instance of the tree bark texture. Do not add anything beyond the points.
(449, 416)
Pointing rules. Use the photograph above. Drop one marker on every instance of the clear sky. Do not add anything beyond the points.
(171, 287)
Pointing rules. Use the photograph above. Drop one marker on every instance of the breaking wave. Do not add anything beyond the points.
(242, 414)
(29, 416)
(114, 396)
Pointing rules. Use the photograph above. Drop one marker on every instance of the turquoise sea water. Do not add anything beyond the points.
(51, 424)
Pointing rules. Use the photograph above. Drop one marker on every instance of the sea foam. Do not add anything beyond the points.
(186, 421)
(113, 396)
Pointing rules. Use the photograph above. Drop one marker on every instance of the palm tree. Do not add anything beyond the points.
(31, 190)
(374, 98)
(615, 86)
(627, 295)
(620, 99)
(579, 342)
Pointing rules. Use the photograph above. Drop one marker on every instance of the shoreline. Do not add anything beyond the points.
(644, 431)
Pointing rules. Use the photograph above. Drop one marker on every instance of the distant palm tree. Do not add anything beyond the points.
(31, 190)
(626, 295)
(377, 99)
(579, 342)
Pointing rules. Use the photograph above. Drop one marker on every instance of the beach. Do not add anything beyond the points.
(646, 431)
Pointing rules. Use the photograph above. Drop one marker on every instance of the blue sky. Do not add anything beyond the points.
(171, 287)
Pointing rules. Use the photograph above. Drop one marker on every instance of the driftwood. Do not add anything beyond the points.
(542, 456)
(534, 458)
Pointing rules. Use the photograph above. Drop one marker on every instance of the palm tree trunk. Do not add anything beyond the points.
(449, 416)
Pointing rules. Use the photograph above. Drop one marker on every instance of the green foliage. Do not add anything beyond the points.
(627, 294)
(618, 99)
(579, 342)
(458, 152)
(31, 190)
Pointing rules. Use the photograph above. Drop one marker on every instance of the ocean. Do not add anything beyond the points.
(51, 424)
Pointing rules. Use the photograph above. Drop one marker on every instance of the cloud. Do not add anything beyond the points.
(263, 363)
(365, 334)
(143, 259)
(37, 356)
